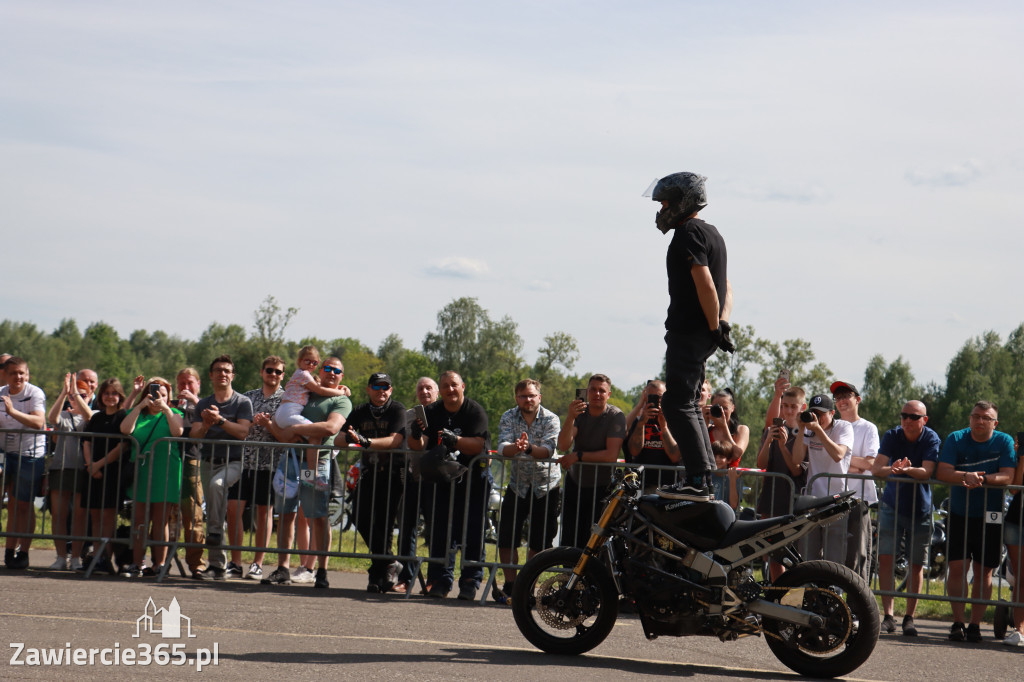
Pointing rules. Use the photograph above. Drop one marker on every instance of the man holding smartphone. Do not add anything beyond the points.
(697, 322)
(649, 440)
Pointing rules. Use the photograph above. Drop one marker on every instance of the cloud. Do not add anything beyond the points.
(539, 285)
(795, 194)
(956, 175)
(461, 268)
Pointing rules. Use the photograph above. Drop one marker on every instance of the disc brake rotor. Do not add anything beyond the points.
(831, 640)
(558, 618)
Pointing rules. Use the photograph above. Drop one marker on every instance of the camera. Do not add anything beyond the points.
(806, 417)
(716, 411)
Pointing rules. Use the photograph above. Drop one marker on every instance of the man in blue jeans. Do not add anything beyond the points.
(697, 323)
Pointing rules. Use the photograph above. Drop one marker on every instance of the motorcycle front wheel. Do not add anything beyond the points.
(849, 629)
(559, 620)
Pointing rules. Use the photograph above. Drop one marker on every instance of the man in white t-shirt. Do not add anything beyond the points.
(865, 447)
(22, 406)
(828, 445)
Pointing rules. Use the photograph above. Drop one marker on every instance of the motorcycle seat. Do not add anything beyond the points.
(741, 530)
(805, 503)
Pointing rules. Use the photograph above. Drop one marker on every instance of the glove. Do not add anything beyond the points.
(722, 337)
(449, 439)
(414, 429)
(352, 437)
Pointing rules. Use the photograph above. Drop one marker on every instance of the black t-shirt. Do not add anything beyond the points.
(653, 449)
(377, 422)
(470, 420)
(101, 422)
(695, 242)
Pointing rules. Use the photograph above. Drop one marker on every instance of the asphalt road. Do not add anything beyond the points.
(297, 632)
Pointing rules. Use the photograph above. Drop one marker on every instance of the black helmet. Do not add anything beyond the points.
(437, 465)
(683, 193)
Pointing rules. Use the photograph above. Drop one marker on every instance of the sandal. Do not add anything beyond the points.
(400, 588)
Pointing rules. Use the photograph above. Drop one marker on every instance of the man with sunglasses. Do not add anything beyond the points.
(865, 446)
(907, 453)
(258, 465)
(378, 426)
(974, 461)
(225, 415)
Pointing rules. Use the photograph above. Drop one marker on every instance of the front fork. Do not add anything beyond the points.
(597, 537)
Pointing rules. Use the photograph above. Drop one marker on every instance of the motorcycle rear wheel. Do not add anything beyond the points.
(850, 612)
(561, 621)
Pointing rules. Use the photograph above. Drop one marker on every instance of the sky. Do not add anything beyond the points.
(168, 165)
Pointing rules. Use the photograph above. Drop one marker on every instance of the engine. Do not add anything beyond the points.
(664, 602)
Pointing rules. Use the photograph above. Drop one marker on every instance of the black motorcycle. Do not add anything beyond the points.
(687, 567)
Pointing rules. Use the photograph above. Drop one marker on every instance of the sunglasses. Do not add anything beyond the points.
(332, 370)
(271, 370)
(911, 417)
(380, 387)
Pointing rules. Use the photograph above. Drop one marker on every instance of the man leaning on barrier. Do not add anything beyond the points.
(378, 426)
(527, 433)
(225, 415)
(460, 426)
(907, 453)
(592, 433)
(192, 497)
(971, 458)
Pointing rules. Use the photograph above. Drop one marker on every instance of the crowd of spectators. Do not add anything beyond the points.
(192, 465)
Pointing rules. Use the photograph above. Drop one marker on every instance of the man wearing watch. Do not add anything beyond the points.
(225, 415)
(975, 461)
(592, 434)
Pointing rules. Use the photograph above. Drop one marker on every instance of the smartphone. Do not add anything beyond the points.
(654, 399)
(784, 374)
(778, 421)
(581, 394)
(154, 391)
(420, 413)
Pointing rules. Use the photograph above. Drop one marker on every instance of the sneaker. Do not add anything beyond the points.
(20, 561)
(8, 558)
(280, 576)
(437, 592)
(909, 629)
(321, 578)
(889, 624)
(211, 573)
(105, 565)
(303, 575)
(373, 588)
(233, 571)
(973, 632)
(75, 564)
(467, 592)
(502, 596)
(61, 564)
(133, 571)
(152, 571)
(681, 490)
(1014, 639)
(957, 632)
(255, 571)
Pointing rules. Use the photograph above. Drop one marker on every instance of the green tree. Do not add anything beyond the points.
(886, 389)
(468, 341)
(105, 351)
(269, 324)
(559, 348)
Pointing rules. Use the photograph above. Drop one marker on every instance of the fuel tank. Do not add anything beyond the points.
(701, 524)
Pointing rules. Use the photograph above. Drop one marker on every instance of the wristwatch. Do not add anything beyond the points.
(221, 422)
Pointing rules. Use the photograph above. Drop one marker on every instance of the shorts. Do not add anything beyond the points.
(23, 476)
(896, 529)
(973, 539)
(315, 499)
(68, 480)
(542, 513)
(256, 487)
(1013, 533)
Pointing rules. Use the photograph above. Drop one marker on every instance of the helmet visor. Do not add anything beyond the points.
(649, 192)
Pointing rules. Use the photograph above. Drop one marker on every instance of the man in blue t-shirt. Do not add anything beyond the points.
(906, 455)
(971, 458)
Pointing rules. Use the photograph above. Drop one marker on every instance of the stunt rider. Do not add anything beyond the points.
(697, 323)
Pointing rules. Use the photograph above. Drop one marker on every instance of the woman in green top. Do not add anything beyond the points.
(157, 486)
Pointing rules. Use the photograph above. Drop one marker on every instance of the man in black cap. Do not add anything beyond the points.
(697, 323)
(377, 426)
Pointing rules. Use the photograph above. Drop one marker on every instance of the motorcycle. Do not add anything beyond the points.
(687, 567)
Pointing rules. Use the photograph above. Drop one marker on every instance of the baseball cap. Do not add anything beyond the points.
(822, 403)
(379, 378)
(837, 385)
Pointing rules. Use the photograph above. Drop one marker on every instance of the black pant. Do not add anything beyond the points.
(685, 356)
(417, 501)
(446, 528)
(378, 494)
(580, 509)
